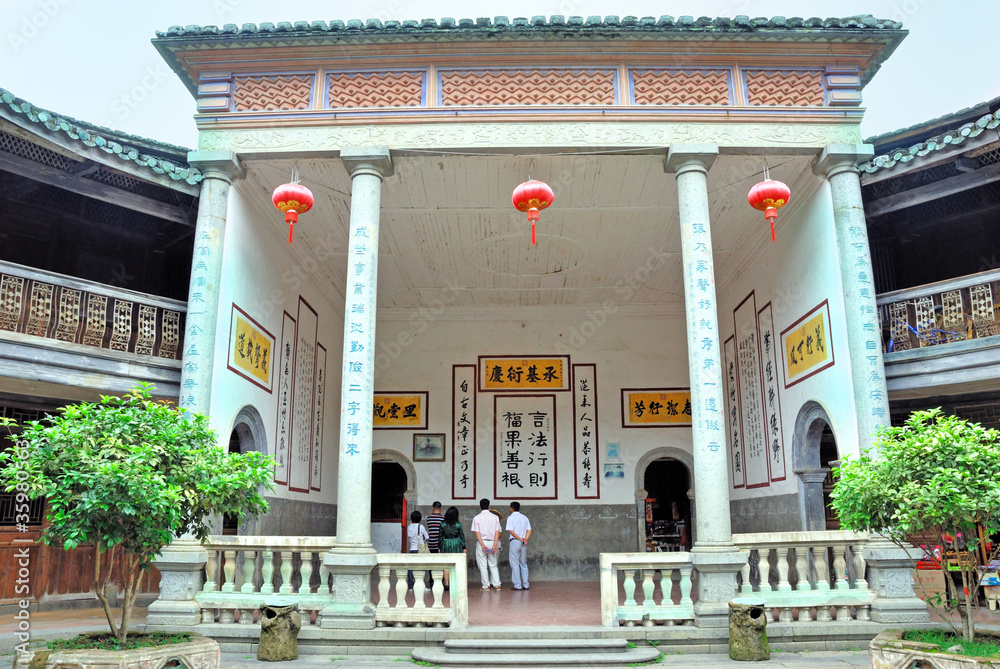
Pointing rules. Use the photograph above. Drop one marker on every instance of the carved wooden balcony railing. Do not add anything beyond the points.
(941, 313)
(77, 311)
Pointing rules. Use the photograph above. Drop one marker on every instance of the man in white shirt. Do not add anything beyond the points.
(519, 528)
(486, 527)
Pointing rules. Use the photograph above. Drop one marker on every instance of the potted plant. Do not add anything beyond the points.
(127, 475)
(934, 476)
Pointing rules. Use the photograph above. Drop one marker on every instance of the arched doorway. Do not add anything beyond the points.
(815, 453)
(393, 497)
(246, 436)
(665, 500)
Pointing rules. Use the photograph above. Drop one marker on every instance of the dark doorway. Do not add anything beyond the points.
(388, 502)
(668, 509)
(828, 458)
(231, 521)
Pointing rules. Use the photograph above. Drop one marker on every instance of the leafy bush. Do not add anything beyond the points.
(934, 475)
(128, 475)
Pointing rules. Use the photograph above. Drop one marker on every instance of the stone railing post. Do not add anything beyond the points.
(890, 575)
(180, 578)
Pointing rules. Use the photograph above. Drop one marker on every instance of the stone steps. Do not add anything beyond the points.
(472, 653)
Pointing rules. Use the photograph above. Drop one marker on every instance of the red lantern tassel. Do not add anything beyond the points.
(532, 232)
(772, 231)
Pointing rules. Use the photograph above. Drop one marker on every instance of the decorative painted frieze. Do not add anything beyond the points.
(278, 92)
(526, 87)
(680, 87)
(375, 89)
(784, 88)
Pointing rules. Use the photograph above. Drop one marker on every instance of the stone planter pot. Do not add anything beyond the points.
(888, 651)
(198, 653)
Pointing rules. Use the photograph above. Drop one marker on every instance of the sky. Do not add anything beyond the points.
(92, 59)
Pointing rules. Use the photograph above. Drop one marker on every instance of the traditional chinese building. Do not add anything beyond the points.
(647, 374)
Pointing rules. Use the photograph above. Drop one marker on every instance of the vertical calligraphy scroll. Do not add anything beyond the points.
(772, 403)
(303, 387)
(748, 383)
(463, 425)
(283, 423)
(736, 455)
(524, 431)
(320, 396)
(585, 441)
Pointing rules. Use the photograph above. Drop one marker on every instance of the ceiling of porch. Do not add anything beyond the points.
(447, 221)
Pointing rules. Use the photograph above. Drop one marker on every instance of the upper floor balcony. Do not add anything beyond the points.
(942, 338)
(58, 330)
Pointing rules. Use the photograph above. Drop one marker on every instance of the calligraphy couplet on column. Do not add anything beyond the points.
(734, 429)
(463, 431)
(304, 387)
(251, 349)
(283, 423)
(750, 394)
(806, 345)
(772, 401)
(508, 373)
(656, 407)
(524, 428)
(586, 446)
(318, 410)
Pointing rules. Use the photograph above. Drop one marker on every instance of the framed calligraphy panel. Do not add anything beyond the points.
(656, 407)
(283, 422)
(524, 432)
(303, 392)
(735, 431)
(748, 384)
(251, 349)
(772, 401)
(463, 431)
(806, 346)
(586, 449)
(402, 410)
(318, 409)
(505, 373)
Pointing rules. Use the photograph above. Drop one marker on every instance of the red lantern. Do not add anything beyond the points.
(530, 197)
(293, 199)
(769, 196)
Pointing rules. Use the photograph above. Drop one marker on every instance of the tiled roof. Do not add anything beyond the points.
(737, 24)
(938, 142)
(158, 157)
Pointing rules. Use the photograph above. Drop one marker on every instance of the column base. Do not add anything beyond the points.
(352, 607)
(717, 565)
(890, 574)
(180, 565)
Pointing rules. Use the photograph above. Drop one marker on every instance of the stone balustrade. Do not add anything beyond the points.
(427, 607)
(797, 572)
(242, 572)
(651, 576)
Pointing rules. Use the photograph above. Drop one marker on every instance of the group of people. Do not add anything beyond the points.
(444, 534)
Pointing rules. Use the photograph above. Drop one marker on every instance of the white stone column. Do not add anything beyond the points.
(714, 555)
(219, 169)
(181, 562)
(838, 163)
(353, 558)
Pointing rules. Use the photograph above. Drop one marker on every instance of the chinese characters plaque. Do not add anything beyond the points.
(303, 392)
(320, 396)
(509, 373)
(806, 345)
(733, 414)
(748, 382)
(283, 424)
(463, 425)
(525, 446)
(251, 348)
(399, 411)
(772, 403)
(651, 407)
(585, 443)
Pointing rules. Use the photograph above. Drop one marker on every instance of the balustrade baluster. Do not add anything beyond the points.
(267, 571)
(306, 570)
(860, 582)
(249, 567)
(785, 615)
(666, 587)
(227, 616)
(686, 584)
(840, 568)
(286, 573)
(229, 570)
(383, 588)
(629, 587)
(746, 586)
(211, 571)
(802, 568)
(822, 571)
(647, 587)
(419, 588)
(324, 577)
(764, 565)
(784, 556)
(207, 616)
(437, 575)
(401, 589)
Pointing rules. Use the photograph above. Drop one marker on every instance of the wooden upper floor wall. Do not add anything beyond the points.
(368, 74)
